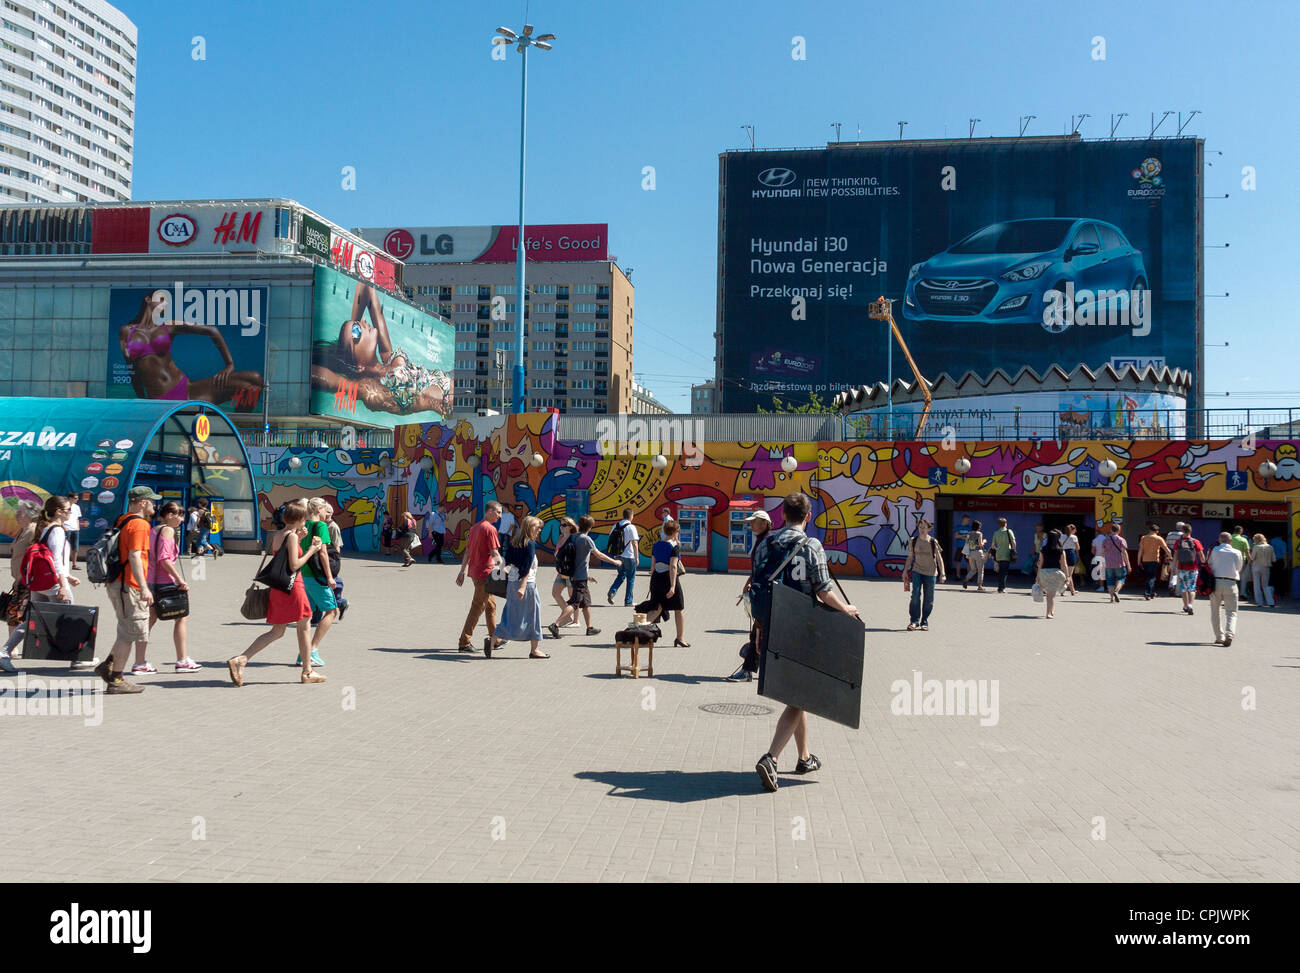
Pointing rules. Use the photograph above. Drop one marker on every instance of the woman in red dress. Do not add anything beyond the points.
(286, 608)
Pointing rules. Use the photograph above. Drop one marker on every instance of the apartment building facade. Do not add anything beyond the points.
(67, 101)
(578, 315)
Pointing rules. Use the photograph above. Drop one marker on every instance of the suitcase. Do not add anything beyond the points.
(58, 631)
(813, 657)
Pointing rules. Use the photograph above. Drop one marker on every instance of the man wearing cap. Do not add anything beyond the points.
(628, 554)
(1225, 565)
(760, 524)
(129, 594)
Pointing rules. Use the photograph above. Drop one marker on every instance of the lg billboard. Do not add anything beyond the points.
(997, 253)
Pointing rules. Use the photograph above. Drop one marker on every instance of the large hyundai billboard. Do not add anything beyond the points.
(997, 253)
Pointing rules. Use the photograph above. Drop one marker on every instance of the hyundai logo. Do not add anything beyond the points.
(950, 284)
(776, 177)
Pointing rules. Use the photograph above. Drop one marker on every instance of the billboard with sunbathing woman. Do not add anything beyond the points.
(188, 343)
(376, 359)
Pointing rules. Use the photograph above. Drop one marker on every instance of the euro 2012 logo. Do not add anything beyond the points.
(1149, 172)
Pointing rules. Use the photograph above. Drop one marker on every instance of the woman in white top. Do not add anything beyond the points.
(1070, 544)
(50, 532)
(72, 528)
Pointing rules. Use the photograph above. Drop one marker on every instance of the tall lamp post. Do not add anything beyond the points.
(522, 43)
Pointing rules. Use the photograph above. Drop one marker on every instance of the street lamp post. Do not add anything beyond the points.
(522, 43)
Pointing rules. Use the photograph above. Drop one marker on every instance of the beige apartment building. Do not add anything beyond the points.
(577, 322)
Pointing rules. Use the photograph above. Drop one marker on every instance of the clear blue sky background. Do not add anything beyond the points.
(407, 92)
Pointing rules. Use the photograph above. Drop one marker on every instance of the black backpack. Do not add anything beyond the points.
(1186, 553)
(205, 520)
(616, 542)
(104, 561)
(566, 559)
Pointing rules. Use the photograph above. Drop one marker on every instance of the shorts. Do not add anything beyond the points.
(1187, 580)
(73, 541)
(1071, 556)
(131, 611)
(579, 594)
(319, 595)
(1116, 575)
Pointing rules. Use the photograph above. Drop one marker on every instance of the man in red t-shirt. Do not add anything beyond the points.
(129, 594)
(480, 558)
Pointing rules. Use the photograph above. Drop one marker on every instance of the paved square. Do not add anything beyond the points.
(1126, 747)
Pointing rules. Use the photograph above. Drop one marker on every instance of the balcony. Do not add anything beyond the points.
(561, 331)
(561, 354)
(485, 293)
(484, 333)
(602, 354)
(602, 313)
(561, 372)
(602, 293)
(484, 312)
(602, 334)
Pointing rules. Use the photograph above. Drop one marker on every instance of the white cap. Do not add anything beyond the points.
(759, 515)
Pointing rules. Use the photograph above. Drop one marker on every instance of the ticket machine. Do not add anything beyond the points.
(740, 539)
(694, 541)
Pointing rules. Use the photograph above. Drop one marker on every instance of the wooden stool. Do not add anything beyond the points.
(634, 647)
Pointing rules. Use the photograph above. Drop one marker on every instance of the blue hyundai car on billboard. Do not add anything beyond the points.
(1001, 274)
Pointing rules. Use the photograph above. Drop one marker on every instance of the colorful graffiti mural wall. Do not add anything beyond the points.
(867, 497)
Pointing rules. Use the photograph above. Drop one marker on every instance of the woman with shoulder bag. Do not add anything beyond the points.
(286, 605)
(48, 530)
(521, 621)
(168, 585)
(975, 557)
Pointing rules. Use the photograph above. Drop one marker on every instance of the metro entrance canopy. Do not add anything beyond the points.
(100, 448)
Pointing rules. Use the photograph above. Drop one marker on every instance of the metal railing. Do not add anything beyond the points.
(317, 438)
(980, 424)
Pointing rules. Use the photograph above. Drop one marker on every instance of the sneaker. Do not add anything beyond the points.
(105, 670)
(6, 666)
(82, 666)
(740, 675)
(187, 665)
(144, 669)
(1218, 641)
(766, 768)
(554, 630)
(466, 648)
(1227, 640)
(343, 608)
(315, 659)
(809, 765)
(487, 646)
(593, 631)
(120, 687)
(610, 597)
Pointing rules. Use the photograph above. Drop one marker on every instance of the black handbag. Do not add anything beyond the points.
(6, 599)
(171, 602)
(498, 582)
(277, 574)
(335, 563)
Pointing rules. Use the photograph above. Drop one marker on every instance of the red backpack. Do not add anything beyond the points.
(37, 569)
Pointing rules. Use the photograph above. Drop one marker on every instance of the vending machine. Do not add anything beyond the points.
(694, 541)
(740, 539)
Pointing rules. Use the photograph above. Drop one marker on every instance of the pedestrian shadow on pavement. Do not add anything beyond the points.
(1016, 616)
(677, 787)
(663, 677)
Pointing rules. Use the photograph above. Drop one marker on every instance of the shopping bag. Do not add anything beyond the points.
(60, 631)
(1037, 592)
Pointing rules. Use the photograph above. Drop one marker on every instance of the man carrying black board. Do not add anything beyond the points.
(801, 564)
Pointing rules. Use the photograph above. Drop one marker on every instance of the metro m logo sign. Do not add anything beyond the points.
(232, 230)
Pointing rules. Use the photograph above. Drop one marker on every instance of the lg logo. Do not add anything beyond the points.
(400, 243)
(776, 178)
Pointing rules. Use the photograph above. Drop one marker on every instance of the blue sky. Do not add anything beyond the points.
(407, 92)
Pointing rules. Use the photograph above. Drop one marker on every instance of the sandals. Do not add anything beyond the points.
(911, 626)
(925, 628)
(312, 677)
(680, 644)
(539, 655)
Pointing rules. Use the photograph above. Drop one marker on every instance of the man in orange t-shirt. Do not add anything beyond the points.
(129, 594)
(480, 557)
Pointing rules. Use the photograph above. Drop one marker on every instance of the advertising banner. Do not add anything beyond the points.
(177, 342)
(492, 244)
(376, 359)
(367, 265)
(186, 228)
(997, 254)
(314, 237)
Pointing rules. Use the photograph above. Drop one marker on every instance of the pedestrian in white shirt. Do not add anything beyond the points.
(435, 528)
(71, 529)
(1172, 538)
(1225, 565)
